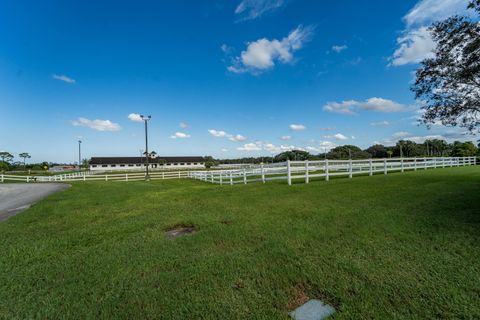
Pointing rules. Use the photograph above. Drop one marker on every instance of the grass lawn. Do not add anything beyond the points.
(399, 246)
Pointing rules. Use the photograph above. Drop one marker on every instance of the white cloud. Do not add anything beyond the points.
(250, 147)
(217, 133)
(339, 48)
(183, 125)
(372, 104)
(180, 135)
(415, 46)
(226, 48)
(327, 145)
(340, 136)
(63, 78)
(100, 125)
(135, 117)
(285, 138)
(380, 124)
(223, 134)
(400, 134)
(416, 43)
(237, 137)
(427, 11)
(224, 149)
(297, 127)
(262, 54)
(252, 9)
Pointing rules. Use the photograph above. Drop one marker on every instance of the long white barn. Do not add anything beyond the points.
(139, 163)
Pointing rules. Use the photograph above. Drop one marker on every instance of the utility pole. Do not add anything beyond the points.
(79, 155)
(146, 119)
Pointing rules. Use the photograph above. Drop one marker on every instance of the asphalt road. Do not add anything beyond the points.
(16, 197)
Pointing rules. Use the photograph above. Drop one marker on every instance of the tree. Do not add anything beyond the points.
(347, 152)
(6, 156)
(449, 83)
(24, 155)
(377, 151)
(464, 149)
(293, 155)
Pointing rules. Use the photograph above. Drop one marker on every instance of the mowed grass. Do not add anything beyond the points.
(400, 246)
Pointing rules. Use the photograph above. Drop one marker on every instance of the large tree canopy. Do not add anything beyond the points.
(448, 84)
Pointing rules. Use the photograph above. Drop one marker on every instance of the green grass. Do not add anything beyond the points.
(400, 246)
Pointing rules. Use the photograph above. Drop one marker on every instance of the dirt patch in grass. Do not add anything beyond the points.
(299, 296)
(180, 230)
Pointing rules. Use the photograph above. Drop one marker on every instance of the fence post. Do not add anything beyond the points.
(263, 174)
(221, 178)
(244, 176)
(84, 177)
(211, 176)
(401, 164)
(370, 173)
(415, 164)
(435, 163)
(425, 163)
(126, 176)
(326, 170)
(350, 169)
(179, 175)
(231, 179)
(106, 178)
(289, 173)
(307, 178)
(1, 176)
(28, 179)
(385, 166)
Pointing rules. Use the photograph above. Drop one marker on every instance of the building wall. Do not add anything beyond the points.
(154, 166)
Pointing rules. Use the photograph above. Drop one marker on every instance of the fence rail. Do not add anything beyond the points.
(306, 170)
(91, 176)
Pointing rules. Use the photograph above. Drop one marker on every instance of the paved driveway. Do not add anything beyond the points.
(16, 197)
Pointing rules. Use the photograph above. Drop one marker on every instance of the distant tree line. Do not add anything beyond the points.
(403, 148)
(8, 163)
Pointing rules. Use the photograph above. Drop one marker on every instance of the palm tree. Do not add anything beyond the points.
(24, 155)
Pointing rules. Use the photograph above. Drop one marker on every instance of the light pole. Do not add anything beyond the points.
(79, 155)
(146, 119)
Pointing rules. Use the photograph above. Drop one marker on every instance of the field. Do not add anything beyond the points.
(399, 246)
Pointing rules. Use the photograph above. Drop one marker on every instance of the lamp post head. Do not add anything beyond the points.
(145, 118)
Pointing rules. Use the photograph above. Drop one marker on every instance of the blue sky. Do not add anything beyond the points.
(223, 78)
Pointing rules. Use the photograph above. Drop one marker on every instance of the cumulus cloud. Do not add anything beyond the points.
(180, 135)
(297, 127)
(340, 136)
(339, 48)
(414, 46)
(262, 54)
(99, 125)
(63, 78)
(285, 138)
(380, 124)
(372, 104)
(217, 133)
(252, 9)
(183, 125)
(250, 147)
(416, 43)
(223, 134)
(135, 117)
(236, 137)
(400, 134)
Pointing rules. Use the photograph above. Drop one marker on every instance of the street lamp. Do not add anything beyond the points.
(79, 154)
(146, 119)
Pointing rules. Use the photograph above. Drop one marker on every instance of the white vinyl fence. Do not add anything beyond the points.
(306, 170)
(90, 176)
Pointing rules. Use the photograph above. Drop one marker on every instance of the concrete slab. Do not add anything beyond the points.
(313, 310)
